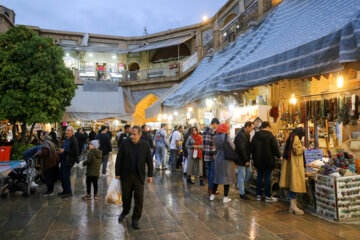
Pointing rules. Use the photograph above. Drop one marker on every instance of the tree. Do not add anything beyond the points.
(35, 85)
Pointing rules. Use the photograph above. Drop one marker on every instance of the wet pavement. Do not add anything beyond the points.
(172, 210)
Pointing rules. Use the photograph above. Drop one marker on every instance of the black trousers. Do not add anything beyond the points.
(94, 181)
(130, 185)
(51, 176)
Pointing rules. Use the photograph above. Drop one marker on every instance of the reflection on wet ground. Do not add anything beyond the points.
(172, 210)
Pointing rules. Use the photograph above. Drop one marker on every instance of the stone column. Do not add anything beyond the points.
(199, 45)
(241, 6)
(217, 38)
(261, 8)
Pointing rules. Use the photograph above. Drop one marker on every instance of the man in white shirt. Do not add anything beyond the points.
(175, 147)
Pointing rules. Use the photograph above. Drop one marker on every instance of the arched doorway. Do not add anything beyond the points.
(141, 106)
(134, 66)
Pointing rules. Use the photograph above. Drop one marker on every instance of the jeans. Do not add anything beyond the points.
(211, 173)
(173, 157)
(161, 151)
(243, 174)
(65, 171)
(292, 195)
(266, 174)
(226, 189)
(104, 162)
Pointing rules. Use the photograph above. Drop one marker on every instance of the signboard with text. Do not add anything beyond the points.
(190, 62)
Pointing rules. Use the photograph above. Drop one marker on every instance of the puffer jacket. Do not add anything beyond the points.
(264, 149)
(93, 162)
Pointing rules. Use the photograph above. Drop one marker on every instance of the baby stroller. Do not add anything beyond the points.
(20, 179)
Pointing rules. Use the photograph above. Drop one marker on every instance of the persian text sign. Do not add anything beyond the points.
(190, 62)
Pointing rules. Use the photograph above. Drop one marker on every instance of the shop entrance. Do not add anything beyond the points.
(134, 67)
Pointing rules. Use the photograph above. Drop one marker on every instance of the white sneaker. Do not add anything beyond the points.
(212, 197)
(258, 197)
(271, 199)
(226, 199)
(33, 184)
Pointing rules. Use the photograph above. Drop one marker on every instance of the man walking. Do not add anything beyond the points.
(125, 135)
(105, 147)
(130, 169)
(175, 148)
(209, 151)
(243, 151)
(161, 145)
(145, 136)
(68, 156)
(264, 149)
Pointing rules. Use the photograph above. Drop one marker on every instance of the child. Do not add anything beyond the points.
(93, 164)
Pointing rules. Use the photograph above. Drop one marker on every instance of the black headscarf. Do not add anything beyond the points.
(300, 132)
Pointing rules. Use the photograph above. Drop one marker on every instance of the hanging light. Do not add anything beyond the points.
(293, 99)
(231, 107)
(340, 81)
(188, 115)
(176, 113)
(209, 102)
(170, 118)
(67, 54)
(190, 109)
(164, 116)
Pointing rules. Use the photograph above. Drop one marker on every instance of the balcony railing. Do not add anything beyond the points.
(126, 76)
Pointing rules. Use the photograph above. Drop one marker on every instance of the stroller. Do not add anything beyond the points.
(20, 179)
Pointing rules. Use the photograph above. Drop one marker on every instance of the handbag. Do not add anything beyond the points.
(230, 154)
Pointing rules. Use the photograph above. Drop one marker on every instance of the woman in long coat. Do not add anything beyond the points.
(224, 169)
(292, 169)
(194, 143)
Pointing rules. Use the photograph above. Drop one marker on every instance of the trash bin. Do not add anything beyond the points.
(5, 153)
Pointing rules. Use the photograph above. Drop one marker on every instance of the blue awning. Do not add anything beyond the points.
(297, 39)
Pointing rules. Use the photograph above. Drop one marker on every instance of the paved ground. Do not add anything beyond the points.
(172, 210)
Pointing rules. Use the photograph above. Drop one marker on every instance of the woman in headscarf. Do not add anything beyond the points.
(194, 148)
(224, 168)
(292, 169)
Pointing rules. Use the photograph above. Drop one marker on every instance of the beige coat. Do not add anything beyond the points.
(292, 171)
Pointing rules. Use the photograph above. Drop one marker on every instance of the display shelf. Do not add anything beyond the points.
(338, 198)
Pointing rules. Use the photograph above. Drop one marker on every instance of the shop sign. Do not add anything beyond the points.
(190, 62)
(207, 118)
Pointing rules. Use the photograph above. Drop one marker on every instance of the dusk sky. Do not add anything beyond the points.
(112, 17)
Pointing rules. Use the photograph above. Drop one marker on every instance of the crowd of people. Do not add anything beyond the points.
(209, 153)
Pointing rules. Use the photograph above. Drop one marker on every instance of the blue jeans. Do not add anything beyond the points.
(292, 195)
(243, 174)
(266, 175)
(211, 172)
(65, 172)
(161, 151)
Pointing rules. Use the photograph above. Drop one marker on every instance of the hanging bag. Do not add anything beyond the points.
(113, 194)
(230, 154)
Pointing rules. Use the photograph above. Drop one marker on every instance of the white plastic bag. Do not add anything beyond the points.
(113, 194)
(195, 153)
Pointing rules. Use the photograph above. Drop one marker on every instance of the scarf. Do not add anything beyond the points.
(49, 145)
(223, 128)
(300, 132)
(198, 141)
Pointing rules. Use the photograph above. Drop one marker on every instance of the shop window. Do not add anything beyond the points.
(171, 53)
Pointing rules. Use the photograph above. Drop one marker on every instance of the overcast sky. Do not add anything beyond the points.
(112, 17)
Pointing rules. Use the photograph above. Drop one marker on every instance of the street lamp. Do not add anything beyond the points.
(205, 18)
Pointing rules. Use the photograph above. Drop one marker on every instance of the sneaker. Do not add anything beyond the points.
(33, 184)
(243, 196)
(105, 174)
(212, 197)
(48, 194)
(258, 197)
(271, 199)
(226, 199)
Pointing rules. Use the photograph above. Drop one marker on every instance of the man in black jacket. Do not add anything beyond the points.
(264, 149)
(130, 169)
(125, 135)
(145, 136)
(69, 155)
(243, 151)
(105, 147)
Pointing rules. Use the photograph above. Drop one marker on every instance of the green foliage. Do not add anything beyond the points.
(17, 151)
(35, 85)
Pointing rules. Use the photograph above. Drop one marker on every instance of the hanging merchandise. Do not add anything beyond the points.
(274, 113)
